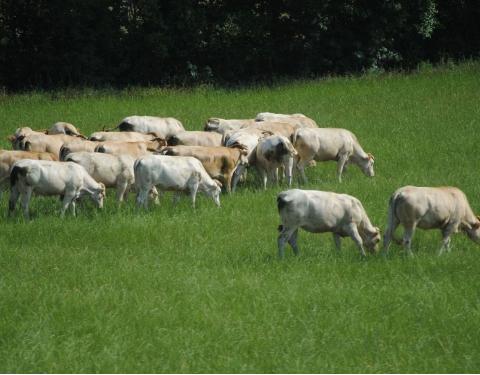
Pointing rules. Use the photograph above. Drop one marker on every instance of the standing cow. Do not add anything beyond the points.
(319, 212)
(444, 208)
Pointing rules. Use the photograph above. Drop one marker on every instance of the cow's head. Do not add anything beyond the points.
(473, 231)
(372, 239)
(214, 192)
(366, 165)
(98, 195)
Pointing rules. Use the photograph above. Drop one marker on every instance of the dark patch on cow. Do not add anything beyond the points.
(125, 127)
(281, 203)
(100, 148)
(280, 228)
(16, 171)
(173, 140)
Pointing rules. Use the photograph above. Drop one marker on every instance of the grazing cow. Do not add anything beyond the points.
(444, 208)
(223, 126)
(77, 146)
(113, 171)
(219, 162)
(121, 137)
(272, 153)
(8, 158)
(296, 119)
(320, 212)
(176, 173)
(20, 134)
(196, 138)
(246, 138)
(68, 180)
(324, 144)
(134, 149)
(39, 142)
(162, 127)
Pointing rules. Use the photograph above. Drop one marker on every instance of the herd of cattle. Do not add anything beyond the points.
(152, 154)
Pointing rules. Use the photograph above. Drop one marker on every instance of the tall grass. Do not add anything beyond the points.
(178, 290)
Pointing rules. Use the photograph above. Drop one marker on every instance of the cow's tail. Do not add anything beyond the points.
(16, 171)
(391, 218)
(100, 148)
(64, 151)
(124, 127)
(295, 136)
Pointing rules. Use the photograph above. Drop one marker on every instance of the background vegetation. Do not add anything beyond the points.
(64, 43)
(177, 290)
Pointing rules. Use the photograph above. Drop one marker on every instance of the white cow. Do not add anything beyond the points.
(163, 127)
(296, 118)
(222, 126)
(274, 152)
(196, 138)
(319, 212)
(175, 173)
(111, 170)
(69, 180)
(77, 146)
(444, 208)
(324, 144)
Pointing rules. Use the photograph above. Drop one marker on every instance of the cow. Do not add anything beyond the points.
(246, 138)
(280, 128)
(110, 136)
(64, 128)
(68, 180)
(444, 208)
(39, 142)
(196, 138)
(222, 126)
(162, 127)
(296, 119)
(9, 157)
(177, 173)
(113, 171)
(134, 149)
(77, 146)
(320, 212)
(325, 144)
(272, 153)
(219, 162)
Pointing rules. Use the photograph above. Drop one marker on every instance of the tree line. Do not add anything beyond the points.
(61, 43)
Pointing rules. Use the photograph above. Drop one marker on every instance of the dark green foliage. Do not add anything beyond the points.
(123, 42)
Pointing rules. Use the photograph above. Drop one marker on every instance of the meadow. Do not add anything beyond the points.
(180, 290)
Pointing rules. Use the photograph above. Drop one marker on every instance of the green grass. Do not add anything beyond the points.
(177, 290)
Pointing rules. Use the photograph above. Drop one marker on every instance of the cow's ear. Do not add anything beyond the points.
(370, 156)
(476, 225)
(219, 184)
(11, 138)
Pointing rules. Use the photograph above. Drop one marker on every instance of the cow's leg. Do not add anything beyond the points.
(338, 241)
(68, 199)
(390, 233)
(176, 197)
(342, 160)
(264, 175)
(228, 182)
(237, 173)
(155, 195)
(25, 200)
(121, 191)
(407, 237)
(73, 204)
(283, 237)
(352, 231)
(446, 233)
(301, 168)
(12, 201)
(288, 166)
(293, 242)
(193, 191)
(142, 197)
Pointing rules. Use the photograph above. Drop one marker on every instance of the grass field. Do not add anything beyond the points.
(177, 290)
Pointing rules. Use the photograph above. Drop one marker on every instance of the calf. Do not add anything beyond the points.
(219, 162)
(69, 180)
(196, 138)
(324, 144)
(274, 152)
(177, 173)
(319, 212)
(444, 208)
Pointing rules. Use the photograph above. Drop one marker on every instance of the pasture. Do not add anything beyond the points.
(182, 290)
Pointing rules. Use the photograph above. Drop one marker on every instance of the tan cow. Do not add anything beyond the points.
(105, 136)
(77, 146)
(134, 149)
(279, 128)
(219, 162)
(295, 119)
(8, 157)
(222, 126)
(444, 208)
(39, 142)
(196, 138)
